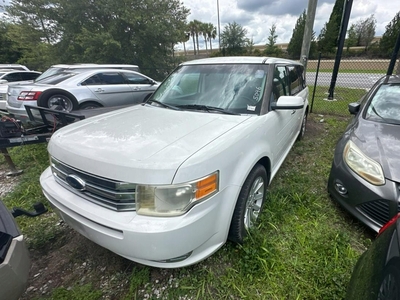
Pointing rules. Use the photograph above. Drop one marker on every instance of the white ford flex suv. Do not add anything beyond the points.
(167, 183)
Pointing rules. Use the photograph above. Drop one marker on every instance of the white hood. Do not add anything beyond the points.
(140, 144)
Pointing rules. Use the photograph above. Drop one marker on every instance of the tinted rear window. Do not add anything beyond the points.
(56, 79)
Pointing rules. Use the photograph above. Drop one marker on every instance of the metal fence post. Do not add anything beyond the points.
(394, 56)
(315, 83)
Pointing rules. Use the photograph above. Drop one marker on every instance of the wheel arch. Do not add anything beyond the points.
(47, 93)
(90, 102)
(266, 163)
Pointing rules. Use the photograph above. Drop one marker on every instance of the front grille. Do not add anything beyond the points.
(3, 96)
(109, 193)
(376, 210)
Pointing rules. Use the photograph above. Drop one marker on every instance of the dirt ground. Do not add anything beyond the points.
(73, 259)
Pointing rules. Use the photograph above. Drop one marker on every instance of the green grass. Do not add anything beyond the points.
(338, 106)
(32, 159)
(304, 247)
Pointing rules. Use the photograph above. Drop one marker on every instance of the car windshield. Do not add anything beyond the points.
(385, 105)
(236, 88)
(57, 78)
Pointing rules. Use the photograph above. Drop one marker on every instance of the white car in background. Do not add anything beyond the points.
(81, 89)
(12, 76)
(166, 183)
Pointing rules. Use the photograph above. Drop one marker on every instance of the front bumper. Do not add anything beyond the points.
(166, 242)
(372, 205)
(14, 270)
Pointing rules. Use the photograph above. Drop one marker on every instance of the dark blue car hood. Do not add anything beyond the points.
(380, 142)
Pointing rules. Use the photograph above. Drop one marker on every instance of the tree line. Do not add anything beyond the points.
(359, 34)
(40, 33)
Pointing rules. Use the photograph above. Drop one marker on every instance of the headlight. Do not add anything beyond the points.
(364, 166)
(174, 200)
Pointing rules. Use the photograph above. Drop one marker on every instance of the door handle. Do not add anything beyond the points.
(136, 88)
(99, 90)
(293, 112)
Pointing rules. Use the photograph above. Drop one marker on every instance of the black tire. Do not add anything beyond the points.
(390, 286)
(303, 127)
(58, 101)
(89, 105)
(248, 207)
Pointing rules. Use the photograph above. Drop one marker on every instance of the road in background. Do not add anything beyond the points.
(349, 80)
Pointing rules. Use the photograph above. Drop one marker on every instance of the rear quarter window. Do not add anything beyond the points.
(58, 78)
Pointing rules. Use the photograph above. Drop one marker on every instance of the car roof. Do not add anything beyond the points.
(83, 66)
(8, 71)
(390, 79)
(14, 66)
(241, 60)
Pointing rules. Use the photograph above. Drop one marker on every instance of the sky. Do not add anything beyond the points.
(257, 16)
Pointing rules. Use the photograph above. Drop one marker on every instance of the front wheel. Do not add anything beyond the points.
(249, 204)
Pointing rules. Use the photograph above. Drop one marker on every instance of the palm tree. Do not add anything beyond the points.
(197, 25)
(185, 38)
(211, 33)
(192, 28)
(204, 33)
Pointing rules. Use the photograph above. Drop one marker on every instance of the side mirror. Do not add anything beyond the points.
(3, 81)
(354, 108)
(288, 102)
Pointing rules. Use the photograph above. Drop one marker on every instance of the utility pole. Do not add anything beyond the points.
(342, 37)
(219, 30)
(308, 30)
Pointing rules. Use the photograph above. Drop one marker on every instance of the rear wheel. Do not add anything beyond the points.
(58, 101)
(249, 204)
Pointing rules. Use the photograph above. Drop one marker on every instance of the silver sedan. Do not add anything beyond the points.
(72, 90)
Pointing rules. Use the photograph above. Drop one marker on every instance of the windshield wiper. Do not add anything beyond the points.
(207, 108)
(162, 104)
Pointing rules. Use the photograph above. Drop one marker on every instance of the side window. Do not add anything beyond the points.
(29, 76)
(13, 77)
(93, 80)
(136, 78)
(300, 71)
(295, 81)
(279, 84)
(113, 78)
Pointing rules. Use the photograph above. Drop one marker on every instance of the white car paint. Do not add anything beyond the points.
(151, 145)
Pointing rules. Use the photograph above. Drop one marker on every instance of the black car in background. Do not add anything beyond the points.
(365, 173)
(376, 275)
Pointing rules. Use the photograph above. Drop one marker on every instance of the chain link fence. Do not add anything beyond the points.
(354, 79)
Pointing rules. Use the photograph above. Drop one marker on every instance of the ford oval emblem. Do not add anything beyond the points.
(75, 182)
